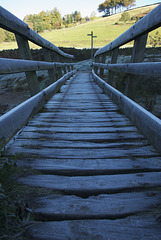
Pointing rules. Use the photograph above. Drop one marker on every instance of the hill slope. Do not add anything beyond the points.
(105, 29)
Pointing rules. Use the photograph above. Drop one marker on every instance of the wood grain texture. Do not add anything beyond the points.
(104, 174)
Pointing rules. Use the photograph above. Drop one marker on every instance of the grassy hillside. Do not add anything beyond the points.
(104, 28)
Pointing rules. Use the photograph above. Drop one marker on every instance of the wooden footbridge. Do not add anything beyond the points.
(93, 146)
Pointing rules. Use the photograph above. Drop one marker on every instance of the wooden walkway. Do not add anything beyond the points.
(105, 176)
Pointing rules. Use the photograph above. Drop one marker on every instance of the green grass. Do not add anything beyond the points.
(77, 36)
(104, 28)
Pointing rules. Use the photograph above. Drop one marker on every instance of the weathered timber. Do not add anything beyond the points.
(58, 70)
(51, 72)
(103, 58)
(150, 69)
(133, 228)
(112, 206)
(91, 166)
(14, 120)
(146, 122)
(137, 56)
(85, 186)
(113, 61)
(31, 76)
(103, 174)
(86, 153)
(8, 66)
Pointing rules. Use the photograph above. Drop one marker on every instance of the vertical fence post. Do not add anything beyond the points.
(51, 72)
(111, 74)
(25, 53)
(96, 60)
(68, 66)
(65, 69)
(103, 59)
(59, 69)
(137, 56)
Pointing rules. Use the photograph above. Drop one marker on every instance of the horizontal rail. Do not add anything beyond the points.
(146, 122)
(150, 69)
(8, 66)
(148, 23)
(13, 24)
(12, 121)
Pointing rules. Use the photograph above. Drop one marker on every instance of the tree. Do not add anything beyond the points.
(105, 7)
(77, 16)
(114, 5)
(38, 24)
(110, 5)
(44, 20)
(128, 3)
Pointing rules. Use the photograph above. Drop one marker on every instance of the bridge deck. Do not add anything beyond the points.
(105, 175)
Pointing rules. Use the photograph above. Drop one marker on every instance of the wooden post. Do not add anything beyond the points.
(113, 61)
(103, 59)
(137, 56)
(59, 69)
(96, 68)
(51, 72)
(71, 67)
(25, 53)
(68, 67)
(65, 69)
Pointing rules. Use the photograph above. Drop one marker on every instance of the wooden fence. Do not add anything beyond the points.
(24, 34)
(145, 121)
(139, 33)
(58, 71)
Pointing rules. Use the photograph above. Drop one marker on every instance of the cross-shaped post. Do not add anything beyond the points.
(91, 43)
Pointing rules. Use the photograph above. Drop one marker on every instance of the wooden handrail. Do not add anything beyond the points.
(139, 33)
(13, 24)
(146, 122)
(8, 66)
(150, 69)
(12, 121)
(148, 23)
(24, 34)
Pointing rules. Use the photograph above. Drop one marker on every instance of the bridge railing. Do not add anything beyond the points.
(24, 34)
(59, 71)
(144, 120)
(139, 33)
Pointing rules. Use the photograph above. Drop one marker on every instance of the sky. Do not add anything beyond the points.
(21, 8)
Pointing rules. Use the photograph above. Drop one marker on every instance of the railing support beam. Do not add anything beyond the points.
(58, 70)
(51, 72)
(111, 74)
(96, 68)
(101, 69)
(137, 56)
(25, 53)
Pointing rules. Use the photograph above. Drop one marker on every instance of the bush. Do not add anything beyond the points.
(2, 35)
(9, 37)
(156, 39)
(125, 17)
(6, 36)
